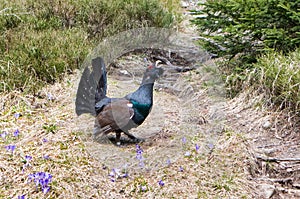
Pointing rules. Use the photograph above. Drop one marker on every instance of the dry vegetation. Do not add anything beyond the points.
(210, 172)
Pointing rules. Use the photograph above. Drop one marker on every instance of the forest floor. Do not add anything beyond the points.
(199, 144)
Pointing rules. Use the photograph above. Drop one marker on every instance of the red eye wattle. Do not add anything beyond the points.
(150, 67)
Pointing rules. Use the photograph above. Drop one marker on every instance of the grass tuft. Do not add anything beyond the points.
(279, 76)
(41, 42)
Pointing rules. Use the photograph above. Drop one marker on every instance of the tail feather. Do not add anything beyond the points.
(102, 81)
(92, 87)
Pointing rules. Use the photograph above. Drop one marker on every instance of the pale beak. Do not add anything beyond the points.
(157, 62)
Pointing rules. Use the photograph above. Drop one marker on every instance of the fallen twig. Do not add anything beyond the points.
(177, 68)
(278, 180)
(274, 159)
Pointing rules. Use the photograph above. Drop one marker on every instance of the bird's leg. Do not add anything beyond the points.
(130, 135)
(135, 139)
(118, 136)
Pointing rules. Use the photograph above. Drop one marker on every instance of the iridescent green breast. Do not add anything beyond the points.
(143, 109)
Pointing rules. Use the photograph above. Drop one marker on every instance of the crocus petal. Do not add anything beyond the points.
(16, 132)
(4, 134)
(46, 189)
(180, 169)
(17, 115)
(168, 162)
(210, 146)
(187, 154)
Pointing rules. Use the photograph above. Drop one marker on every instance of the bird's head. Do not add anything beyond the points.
(152, 73)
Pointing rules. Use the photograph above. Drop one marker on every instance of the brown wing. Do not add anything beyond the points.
(114, 116)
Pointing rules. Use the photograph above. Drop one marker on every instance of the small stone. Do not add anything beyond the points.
(267, 125)
(124, 72)
(269, 151)
(238, 116)
(184, 4)
(267, 190)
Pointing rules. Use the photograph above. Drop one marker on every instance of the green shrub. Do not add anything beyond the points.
(41, 41)
(231, 27)
(240, 31)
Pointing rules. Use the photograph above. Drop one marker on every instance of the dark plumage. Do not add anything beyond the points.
(121, 114)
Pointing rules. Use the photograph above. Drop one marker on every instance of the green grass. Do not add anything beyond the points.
(279, 76)
(40, 43)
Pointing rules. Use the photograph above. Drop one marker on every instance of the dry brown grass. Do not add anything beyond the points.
(78, 174)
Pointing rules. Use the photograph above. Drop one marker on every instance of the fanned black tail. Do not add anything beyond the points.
(92, 87)
(102, 82)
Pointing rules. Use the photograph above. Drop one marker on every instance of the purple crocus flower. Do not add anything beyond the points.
(4, 134)
(41, 179)
(10, 148)
(28, 158)
(187, 154)
(21, 197)
(50, 97)
(161, 183)
(183, 140)
(210, 146)
(139, 152)
(16, 133)
(17, 115)
(180, 169)
(168, 162)
(44, 140)
(139, 155)
(141, 164)
(143, 188)
(125, 175)
(197, 147)
(114, 173)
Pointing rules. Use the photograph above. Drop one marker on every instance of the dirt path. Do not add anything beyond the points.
(181, 111)
(189, 107)
(189, 110)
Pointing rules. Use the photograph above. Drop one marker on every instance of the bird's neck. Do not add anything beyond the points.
(144, 94)
(146, 86)
(147, 90)
(142, 100)
(147, 80)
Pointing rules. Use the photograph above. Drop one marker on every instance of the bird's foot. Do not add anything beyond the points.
(133, 140)
(138, 140)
